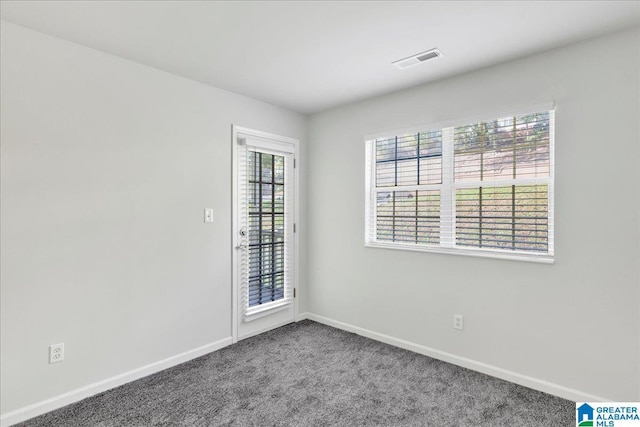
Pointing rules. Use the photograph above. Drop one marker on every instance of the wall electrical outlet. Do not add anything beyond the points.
(458, 321)
(56, 353)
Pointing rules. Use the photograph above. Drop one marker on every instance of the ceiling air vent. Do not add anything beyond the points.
(417, 58)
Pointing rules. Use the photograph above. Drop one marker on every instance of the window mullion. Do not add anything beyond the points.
(417, 213)
(447, 205)
(395, 162)
(513, 217)
(480, 217)
(393, 217)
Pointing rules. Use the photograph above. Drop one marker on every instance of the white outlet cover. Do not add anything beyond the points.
(56, 353)
(458, 321)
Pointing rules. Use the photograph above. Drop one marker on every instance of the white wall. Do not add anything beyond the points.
(107, 166)
(575, 323)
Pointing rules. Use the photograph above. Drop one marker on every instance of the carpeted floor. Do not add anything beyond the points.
(308, 374)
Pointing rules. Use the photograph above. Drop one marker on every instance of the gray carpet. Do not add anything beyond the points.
(308, 374)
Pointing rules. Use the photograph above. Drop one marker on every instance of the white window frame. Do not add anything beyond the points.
(448, 187)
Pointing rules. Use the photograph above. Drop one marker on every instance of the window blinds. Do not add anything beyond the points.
(483, 186)
(266, 228)
(265, 193)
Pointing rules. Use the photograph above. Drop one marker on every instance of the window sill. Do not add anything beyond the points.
(267, 309)
(483, 253)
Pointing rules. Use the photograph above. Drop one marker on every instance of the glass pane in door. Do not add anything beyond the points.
(266, 227)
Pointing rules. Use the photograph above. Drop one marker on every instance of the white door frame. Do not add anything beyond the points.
(235, 130)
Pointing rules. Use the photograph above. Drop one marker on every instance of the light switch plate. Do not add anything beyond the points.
(208, 215)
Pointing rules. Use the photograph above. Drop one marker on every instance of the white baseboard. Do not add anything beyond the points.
(263, 330)
(301, 316)
(51, 404)
(65, 399)
(494, 371)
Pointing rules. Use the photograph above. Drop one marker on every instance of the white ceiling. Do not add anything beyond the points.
(311, 55)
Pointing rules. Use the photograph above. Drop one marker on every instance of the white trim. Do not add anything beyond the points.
(266, 329)
(461, 184)
(447, 189)
(270, 146)
(302, 316)
(234, 233)
(447, 192)
(485, 368)
(552, 183)
(271, 308)
(421, 187)
(465, 251)
(282, 144)
(500, 183)
(370, 205)
(48, 405)
(277, 139)
(296, 222)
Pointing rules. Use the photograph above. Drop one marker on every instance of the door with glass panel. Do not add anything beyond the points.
(264, 244)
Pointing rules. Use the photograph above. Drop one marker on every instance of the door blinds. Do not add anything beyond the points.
(265, 223)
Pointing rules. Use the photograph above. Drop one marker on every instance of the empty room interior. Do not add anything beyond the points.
(318, 213)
